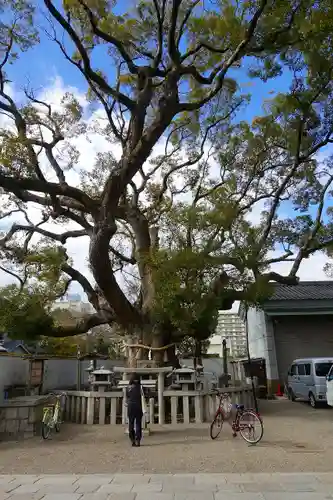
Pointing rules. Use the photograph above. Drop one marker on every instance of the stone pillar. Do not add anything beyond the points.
(151, 411)
(90, 410)
(198, 409)
(78, 375)
(207, 415)
(124, 407)
(160, 389)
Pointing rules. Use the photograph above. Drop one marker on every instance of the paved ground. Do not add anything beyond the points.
(297, 439)
(168, 487)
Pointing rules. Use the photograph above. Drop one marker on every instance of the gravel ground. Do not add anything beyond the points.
(297, 439)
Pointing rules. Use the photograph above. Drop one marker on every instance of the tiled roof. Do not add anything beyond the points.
(13, 345)
(305, 290)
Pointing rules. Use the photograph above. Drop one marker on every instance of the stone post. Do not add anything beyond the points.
(90, 410)
(160, 389)
(151, 411)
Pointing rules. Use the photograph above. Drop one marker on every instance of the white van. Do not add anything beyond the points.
(307, 380)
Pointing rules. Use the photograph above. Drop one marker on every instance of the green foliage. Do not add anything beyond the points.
(17, 27)
(183, 276)
(102, 347)
(62, 347)
(23, 314)
(98, 343)
(187, 347)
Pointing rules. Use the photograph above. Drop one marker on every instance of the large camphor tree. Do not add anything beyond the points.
(199, 205)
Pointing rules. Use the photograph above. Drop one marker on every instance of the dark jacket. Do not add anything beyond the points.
(133, 393)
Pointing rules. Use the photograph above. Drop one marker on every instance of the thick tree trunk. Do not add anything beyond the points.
(164, 357)
(157, 343)
(157, 340)
(197, 361)
(131, 359)
(123, 310)
(173, 359)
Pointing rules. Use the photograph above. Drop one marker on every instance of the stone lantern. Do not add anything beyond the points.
(101, 379)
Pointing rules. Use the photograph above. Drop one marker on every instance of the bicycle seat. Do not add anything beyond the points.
(240, 407)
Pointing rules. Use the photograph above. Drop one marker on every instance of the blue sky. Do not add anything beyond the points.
(45, 61)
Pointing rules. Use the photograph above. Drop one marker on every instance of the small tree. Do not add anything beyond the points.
(194, 349)
(62, 347)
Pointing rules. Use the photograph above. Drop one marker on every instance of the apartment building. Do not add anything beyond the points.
(232, 328)
(73, 302)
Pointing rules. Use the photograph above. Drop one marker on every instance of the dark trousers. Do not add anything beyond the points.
(134, 423)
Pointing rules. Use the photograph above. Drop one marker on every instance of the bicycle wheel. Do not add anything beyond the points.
(47, 423)
(248, 421)
(216, 425)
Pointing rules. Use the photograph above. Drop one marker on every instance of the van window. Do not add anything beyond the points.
(301, 369)
(330, 375)
(307, 369)
(292, 370)
(322, 369)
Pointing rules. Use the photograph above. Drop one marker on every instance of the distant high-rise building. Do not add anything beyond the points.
(73, 302)
(230, 327)
(70, 297)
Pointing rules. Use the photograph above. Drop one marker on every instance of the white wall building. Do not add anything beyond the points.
(232, 328)
(73, 302)
(295, 322)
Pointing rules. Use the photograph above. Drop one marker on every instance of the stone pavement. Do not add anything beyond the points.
(265, 486)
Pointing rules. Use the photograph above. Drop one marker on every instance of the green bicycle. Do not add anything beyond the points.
(51, 416)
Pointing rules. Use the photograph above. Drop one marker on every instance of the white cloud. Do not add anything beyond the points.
(5, 120)
(310, 269)
(56, 91)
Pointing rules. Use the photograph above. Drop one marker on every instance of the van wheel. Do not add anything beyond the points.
(312, 401)
(291, 395)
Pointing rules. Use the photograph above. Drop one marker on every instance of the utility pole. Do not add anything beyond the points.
(225, 362)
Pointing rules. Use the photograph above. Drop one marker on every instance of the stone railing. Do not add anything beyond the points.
(239, 395)
(85, 407)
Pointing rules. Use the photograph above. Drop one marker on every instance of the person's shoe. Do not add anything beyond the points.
(133, 443)
(137, 443)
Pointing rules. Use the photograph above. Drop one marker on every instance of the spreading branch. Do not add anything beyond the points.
(82, 325)
(88, 71)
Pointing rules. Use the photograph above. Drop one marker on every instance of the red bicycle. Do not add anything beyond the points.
(245, 420)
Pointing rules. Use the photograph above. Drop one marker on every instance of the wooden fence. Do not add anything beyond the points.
(83, 407)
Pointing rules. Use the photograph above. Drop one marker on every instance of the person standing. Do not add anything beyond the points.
(134, 409)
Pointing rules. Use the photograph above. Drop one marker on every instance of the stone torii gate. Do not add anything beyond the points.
(159, 372)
